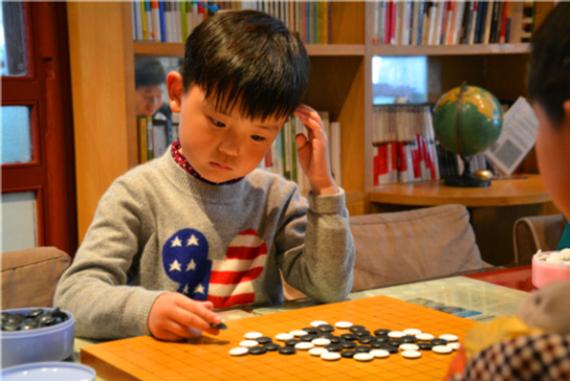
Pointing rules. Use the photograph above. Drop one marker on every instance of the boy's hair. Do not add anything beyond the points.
(249, 60)
(149, 72)
(549, 79)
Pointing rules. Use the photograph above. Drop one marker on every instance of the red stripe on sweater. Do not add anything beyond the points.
(222, 302)
(234, 277)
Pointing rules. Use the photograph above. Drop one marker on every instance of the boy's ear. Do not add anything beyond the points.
(175, 90)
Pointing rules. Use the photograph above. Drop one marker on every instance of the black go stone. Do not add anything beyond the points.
(46, 320)
(334, 347)
(326, 335)
(271, 347)
(377, 345)
(291, 343)
(348, 345)
(349, 336)
(35, 313)
(257, 350)
(381, 339)
(409, 339)
(435, 342)
(365, 340)
(348, 354)
(325, 328)
(363, 333)
(286, 351)
(308, 337)
(392, 349)
(357, 328)
(362, 349)
(336, 339)
(311, 330)
(264, 340)
(425, 346)
(10, 327)
(36, 318)
(382, 332)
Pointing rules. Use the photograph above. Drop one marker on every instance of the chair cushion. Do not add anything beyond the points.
(29, 277)
(413, 245)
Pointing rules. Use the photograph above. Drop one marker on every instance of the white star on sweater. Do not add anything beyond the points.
(199, 289)
(175, 266)
(191, 265)
(192, 241)
(176, 242)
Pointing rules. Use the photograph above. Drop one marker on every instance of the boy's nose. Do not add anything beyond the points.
(229, 147)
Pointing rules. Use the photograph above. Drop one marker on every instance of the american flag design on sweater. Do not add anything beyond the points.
(226, 282)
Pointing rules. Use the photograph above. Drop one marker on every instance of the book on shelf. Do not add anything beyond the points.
(155, 134)
(404, 145)
(282, 157)
(173, 20)
(453, 22)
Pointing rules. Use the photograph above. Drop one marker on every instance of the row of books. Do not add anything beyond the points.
(155, 134)
(173, 21)
(282, 158)
(168, 21)
(452, 22)
(404, 145)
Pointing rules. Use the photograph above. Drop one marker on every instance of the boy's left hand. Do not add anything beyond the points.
(313, 152)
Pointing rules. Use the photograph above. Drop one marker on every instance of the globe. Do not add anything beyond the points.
(467, 120)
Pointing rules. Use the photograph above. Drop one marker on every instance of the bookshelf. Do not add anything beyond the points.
(102, 73)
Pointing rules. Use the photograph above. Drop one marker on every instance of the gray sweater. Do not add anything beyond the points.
(159, 228)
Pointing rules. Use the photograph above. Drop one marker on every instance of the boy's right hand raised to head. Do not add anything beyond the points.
(174, 317)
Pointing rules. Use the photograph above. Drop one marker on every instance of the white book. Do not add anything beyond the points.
(415, 22)
(406, 7)
(382, 22)
(167, 22)
(459, 12)
(488, 17)
(176, 22)
(439, 22)
(473, 25)
(432, 23)
(148, 15)
(376, 23)
(395, 37)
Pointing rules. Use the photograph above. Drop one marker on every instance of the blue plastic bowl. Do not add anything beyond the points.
(53, 343)
(48, 371)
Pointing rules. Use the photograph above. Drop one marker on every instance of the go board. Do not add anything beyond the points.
(144, 358)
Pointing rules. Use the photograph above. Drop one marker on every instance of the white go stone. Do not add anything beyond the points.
(252, 335)
(448, 337)
(343, 324)
(238, 351)
(408, 347)
(317, 351)
(365, 356)
(412, 331)
(316, 323)
(321, 341)
(380, 353)
(411, 354)
(298, 333)
(396, 334)
(455, 346)
(330, 356)
(304, 346)
(248, 343)
(284, 336)
(424, 336)
(442, 349)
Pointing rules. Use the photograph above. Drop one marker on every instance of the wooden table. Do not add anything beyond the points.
(493, 210)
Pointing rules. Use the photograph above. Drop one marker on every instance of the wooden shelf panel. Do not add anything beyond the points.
(523, 191)
(453, 50)
(177, 49)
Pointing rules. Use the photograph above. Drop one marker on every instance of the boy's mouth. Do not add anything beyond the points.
(220, 166)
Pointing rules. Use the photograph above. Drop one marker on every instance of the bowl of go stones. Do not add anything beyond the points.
(36, 334)
(550, 266)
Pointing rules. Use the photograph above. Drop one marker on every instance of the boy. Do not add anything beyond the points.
(536, 344)
(201, 228)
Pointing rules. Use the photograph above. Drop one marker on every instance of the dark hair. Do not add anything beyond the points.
(247, 59)
(148, 72)
(549, 78)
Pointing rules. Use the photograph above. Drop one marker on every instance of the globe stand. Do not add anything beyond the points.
(467, 179)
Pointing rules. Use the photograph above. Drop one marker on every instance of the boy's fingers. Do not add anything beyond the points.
(209, 305)
(189, 319)
(182, 331)
(201, 309)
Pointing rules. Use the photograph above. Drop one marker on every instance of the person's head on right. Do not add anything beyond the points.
(549, 90)
(244, 74)
(149, 78)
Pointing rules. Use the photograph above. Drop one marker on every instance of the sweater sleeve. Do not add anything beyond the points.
(316, 252)
(94, 289)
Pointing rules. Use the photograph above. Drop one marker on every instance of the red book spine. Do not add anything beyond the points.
(503, 34)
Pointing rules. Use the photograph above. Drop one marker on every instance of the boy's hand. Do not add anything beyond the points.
(174, 316)
(313, 152)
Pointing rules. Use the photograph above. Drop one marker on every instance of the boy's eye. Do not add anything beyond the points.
(216, 122)
(257, 138)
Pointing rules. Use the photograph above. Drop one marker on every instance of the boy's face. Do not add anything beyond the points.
(553, 152)
(220, 146)
(148, 99)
